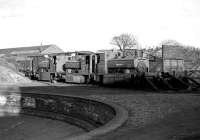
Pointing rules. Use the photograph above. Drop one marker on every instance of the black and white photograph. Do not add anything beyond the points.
(99, 70)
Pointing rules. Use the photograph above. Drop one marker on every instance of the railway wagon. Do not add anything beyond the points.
(49, 67)
(24, 66)
(39, 63)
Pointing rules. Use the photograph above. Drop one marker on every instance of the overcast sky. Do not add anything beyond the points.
(91, 24)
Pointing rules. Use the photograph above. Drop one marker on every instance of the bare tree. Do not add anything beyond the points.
(124, 42)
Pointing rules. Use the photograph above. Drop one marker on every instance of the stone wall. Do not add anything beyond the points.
(96, 117)
(85, 113)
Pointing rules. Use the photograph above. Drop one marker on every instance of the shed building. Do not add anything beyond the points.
(29, 51)
(20, 56)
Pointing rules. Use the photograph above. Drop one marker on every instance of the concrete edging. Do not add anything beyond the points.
(120, 118)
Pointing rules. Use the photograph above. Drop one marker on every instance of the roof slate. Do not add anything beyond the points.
(34, 49)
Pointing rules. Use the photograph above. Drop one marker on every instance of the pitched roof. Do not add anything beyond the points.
(84, 52)
(24, 50)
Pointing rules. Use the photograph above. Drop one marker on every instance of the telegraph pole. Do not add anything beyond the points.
(40, 47)
(162, 58)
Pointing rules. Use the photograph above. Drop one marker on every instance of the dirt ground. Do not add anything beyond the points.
(25, 127)
(156, 116)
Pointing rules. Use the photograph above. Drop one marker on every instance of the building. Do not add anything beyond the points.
(29, 51)
(169, 58)
(20, 56)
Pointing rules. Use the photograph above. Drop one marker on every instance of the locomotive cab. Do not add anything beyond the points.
(81, 67)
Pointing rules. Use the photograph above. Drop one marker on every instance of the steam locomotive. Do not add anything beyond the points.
(106, 66)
